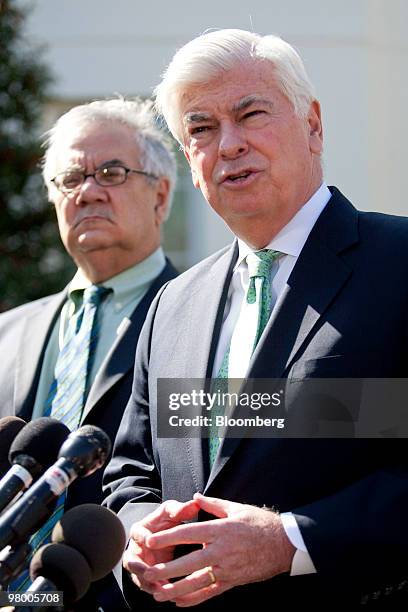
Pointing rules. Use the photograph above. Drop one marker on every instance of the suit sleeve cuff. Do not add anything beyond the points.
(302, 562)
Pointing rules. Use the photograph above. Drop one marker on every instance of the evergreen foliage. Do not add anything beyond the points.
(33, 261)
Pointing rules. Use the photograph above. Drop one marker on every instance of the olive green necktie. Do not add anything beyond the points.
(258, 298)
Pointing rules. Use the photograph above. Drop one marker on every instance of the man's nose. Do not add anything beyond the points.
(233, 142)
(90, 191)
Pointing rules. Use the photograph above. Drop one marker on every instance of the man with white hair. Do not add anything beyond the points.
(110, 172)
(310, 288)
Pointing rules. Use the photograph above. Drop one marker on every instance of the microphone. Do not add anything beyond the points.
(9, 428)
(83, 452)
(12, 562)
(58, 567)
(96, 532)
(87, 543)
(34, 448)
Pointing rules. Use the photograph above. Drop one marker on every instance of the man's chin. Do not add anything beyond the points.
(93, 240)
(241, 204)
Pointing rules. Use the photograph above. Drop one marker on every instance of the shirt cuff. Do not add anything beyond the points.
(302, 562)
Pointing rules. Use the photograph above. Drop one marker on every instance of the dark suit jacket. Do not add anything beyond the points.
(24, 333)
(343, 313)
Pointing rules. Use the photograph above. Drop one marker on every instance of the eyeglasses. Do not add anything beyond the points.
(108, 176)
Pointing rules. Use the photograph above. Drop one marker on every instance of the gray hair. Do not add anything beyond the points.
(204, 57)
(157, 155)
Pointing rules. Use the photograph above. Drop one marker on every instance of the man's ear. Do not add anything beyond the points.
(315, 128)
(162, 199)
(194, 176)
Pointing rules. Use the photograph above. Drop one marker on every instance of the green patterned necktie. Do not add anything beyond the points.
(68, 391)
(259, 291)
(67, 395)
(260, 266)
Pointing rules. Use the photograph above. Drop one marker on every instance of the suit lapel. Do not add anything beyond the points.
(205, 314)
(30, 353)
(205, 320)
(316, 280)
(121, 357)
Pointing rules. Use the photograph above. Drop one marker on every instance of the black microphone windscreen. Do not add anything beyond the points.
(96, 532)
(65, 567)
(10, 426)
(40, 439)
(88, 448)
(95, 435)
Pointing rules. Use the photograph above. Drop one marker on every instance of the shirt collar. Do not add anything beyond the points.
(292, 237)
(125, 286)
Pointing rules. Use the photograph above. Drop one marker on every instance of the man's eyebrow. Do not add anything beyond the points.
(111, 162)
(73, 168)
(248, 101)
(199, 117)
(194, 117)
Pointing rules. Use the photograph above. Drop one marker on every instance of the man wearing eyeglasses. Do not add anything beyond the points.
(110, 172)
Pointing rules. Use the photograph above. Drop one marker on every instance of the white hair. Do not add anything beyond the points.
(156, 150)
(203, 58)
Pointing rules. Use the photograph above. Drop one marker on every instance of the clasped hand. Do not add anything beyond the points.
(242, 544)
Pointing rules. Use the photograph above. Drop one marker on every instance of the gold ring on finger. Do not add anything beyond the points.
(211, 574)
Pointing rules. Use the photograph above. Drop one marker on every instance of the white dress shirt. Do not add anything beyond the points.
(289, 241)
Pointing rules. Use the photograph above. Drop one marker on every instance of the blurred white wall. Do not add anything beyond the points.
(356, 52)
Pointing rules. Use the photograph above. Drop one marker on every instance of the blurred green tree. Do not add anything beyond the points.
(33, 261)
